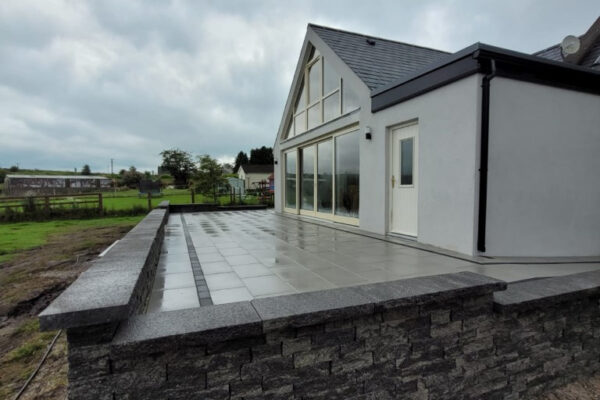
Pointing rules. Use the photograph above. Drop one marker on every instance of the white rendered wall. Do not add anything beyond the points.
(544, 171)
(448, 121)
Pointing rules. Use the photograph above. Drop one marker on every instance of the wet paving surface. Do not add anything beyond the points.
(251, 254)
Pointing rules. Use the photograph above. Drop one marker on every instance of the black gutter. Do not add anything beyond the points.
(484, 154)
(473, 59)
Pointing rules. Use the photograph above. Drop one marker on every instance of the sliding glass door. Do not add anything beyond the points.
(307, 183)
(325, 177)
(327, 182)
(346, 175)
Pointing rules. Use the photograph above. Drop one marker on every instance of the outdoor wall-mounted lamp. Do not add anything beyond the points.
(368, 133)
(275, 161)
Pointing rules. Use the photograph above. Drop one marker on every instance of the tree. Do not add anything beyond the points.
(241, 159)
(262, 155)
(179, 164)
(14, 168)
(131, 178)
(209, 177)
(86, 170)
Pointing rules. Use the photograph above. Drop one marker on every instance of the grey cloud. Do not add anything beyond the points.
(83, 82)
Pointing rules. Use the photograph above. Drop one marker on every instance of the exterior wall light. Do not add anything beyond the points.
(368, 133)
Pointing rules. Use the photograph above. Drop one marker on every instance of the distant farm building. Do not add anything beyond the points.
(24, 185)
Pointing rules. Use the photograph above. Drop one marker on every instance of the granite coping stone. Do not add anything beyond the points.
(301, 309)
(524, 295)
(430, 288)
(105, 292)
(206, 324)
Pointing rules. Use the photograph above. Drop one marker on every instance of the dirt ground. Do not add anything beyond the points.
(29, 282)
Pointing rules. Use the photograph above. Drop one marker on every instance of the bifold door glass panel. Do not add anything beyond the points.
(290, 180)
(347, 174)
(406, 161)
(325, 176)
(307, 186)
(328, 178)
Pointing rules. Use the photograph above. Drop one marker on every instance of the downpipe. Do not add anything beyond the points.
(484, 155)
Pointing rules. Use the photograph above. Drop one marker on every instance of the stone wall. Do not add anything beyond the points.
(455, 336)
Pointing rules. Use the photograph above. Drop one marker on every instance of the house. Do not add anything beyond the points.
(254, 174)
(485, 152)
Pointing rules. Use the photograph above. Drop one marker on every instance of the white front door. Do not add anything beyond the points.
(404, 180)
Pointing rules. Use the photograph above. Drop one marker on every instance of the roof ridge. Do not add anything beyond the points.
(377, 38)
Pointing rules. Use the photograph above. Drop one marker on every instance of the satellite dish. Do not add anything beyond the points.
(570, 45)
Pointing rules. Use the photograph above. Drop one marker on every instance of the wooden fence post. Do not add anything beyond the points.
(193, 195)
(100, 204)
(149, 201)
(47, 203)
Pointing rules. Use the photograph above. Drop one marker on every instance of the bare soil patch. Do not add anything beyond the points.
(29, 282)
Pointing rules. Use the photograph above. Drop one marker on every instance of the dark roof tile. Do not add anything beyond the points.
(377, 65)
(258, 168)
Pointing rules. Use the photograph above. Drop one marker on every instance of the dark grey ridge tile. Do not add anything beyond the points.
(203, 325)
(311, 308)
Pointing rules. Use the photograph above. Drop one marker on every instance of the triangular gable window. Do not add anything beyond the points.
(320, 100)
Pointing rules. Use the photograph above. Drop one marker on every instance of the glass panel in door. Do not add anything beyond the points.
(325, 177)
(347, 174)
(307, 179)
(290, 180)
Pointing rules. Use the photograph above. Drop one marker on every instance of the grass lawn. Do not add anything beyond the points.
(128, 199)
(26, 235)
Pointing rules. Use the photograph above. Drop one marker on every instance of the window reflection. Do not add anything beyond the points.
(347, 174)
(307, 184)
(290, 180)
(325, 177)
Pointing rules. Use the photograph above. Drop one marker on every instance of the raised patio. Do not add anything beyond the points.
(315, 312)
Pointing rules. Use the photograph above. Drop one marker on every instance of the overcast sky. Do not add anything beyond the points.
(83, 82)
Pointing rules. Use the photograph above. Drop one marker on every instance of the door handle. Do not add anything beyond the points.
(393, 181)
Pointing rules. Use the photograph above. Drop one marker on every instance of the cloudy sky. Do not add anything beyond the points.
(84, 82)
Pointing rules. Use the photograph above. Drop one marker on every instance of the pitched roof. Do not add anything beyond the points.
(591, 57)
(590, 42)
(257, 168)
(377, 61)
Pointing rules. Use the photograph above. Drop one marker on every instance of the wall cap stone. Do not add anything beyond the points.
(227, 321)
(533, 293)
(104, 293)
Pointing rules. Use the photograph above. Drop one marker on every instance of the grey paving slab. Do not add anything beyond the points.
(218, 267)
(173, 299)
(174, 280)
(225, 280)
(250, 270)
(268, 254)
(231, 295)
(267, 285)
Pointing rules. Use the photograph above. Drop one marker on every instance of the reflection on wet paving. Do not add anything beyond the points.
(251, 254)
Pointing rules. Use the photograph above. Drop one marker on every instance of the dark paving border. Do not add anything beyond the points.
(201, 286)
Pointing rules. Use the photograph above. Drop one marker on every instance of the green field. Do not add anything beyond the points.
(26, 235)
(126, 200)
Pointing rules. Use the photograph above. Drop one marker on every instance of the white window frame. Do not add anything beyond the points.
(291, 127)
(315, 213)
